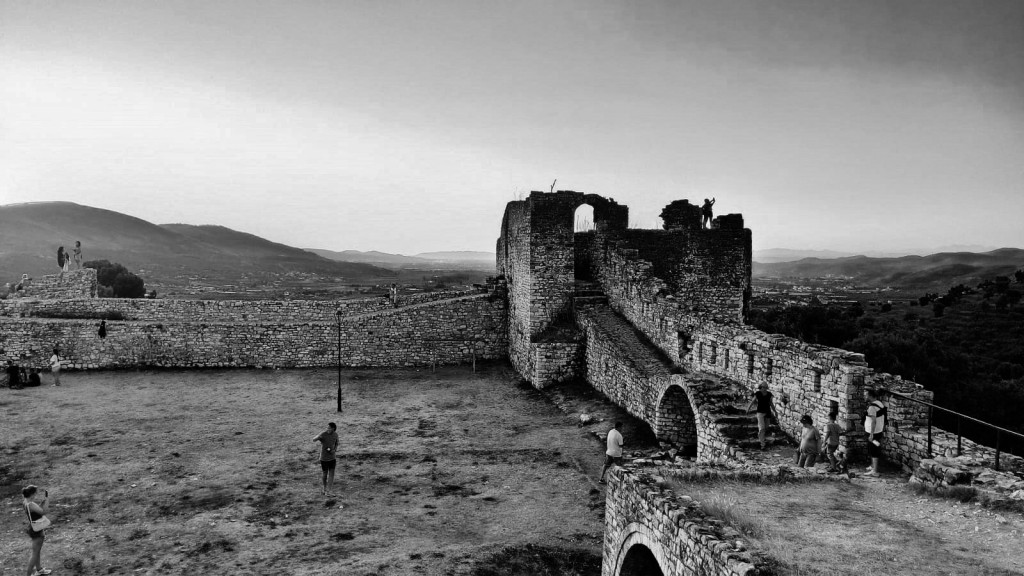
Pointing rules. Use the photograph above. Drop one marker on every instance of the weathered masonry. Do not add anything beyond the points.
(438, 328)
(654, 320)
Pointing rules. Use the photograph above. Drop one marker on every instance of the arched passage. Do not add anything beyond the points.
(640, 561)
(674, 420)
(583, 219)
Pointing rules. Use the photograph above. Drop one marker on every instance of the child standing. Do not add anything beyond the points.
(832, 433)
(809, 442)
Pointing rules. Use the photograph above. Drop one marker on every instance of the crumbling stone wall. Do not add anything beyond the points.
(445, 332)
(259, 311)
(645, 521)
(72, 284)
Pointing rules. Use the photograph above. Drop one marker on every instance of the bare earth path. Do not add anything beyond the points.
(215, 471)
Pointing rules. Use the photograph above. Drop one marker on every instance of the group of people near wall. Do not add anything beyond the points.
(20, 376)
(812, 443)
(64, 258)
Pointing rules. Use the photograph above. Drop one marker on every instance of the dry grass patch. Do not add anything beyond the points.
(841, 528)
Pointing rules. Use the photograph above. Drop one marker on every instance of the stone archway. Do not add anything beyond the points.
(640, 561)
(639, 554)
(674, 419)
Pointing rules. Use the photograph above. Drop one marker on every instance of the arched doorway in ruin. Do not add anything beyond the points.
(674, 419)
(583, 240)
(640, 561)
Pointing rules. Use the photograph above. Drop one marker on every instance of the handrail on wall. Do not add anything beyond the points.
(959, 417)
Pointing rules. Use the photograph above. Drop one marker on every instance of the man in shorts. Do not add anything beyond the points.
(613, 455)
(328, 440)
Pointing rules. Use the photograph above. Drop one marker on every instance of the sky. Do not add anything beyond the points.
(407, 126)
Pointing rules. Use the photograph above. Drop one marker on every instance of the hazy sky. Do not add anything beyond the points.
(406, 126)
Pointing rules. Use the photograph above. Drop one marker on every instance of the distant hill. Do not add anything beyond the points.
(459, 256)
(774, 255)
(426, 260)
(937, 270)
(30, 234)
(373, 257)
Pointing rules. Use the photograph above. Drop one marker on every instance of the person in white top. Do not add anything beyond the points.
(55, 366)
(613, 455)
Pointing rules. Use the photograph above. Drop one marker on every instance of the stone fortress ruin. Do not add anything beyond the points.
(653, 319)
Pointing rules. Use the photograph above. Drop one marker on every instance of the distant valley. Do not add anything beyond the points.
(170, 255)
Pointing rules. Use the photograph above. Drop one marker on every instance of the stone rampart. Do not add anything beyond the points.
(649, 530)
(70, 285)
(445, 332)
(253, 311)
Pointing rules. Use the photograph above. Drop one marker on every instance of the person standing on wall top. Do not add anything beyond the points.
(78, 254)
(394, 295)
(765, 407)
(62, 261)
(55, 366)
(706, 212)
(874, 425)
(328, 440)
(613, 454)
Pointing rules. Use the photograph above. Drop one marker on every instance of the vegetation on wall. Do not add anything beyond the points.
(115, 281)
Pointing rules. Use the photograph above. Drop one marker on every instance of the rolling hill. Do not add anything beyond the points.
(30, 234)
(937, 270)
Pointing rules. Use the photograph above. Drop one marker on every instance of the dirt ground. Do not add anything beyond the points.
(190, 472)
(867, 527)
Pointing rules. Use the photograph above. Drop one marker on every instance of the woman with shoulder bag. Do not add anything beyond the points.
(37, 523)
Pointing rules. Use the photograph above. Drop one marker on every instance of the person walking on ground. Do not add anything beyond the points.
(77, 252)
(706, 212)
(874, 425)
(613, 453)
(55, 366)
(328, 440)
(810, 440)
(831, 441)
(765, 408)
(37, 524)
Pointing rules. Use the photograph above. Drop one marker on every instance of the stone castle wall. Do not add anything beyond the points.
(445, 332)
(253, 311)
(645, 522)
(72, 284)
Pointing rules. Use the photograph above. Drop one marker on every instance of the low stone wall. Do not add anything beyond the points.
(1004, 485)
(644, 522)
(446, 332)
(74, 284)
(257, 311)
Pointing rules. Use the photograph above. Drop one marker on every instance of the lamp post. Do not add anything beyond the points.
(338, 315)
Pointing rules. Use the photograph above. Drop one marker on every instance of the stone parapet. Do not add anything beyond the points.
(646, 522)
(445, 332)
(74, 284)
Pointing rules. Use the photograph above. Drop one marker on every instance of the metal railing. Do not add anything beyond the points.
(959, 419)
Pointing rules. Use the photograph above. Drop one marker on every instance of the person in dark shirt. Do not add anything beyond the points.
(706, 212)
(328, 440)
(33, 378)
(765, 408)
(13, 375)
